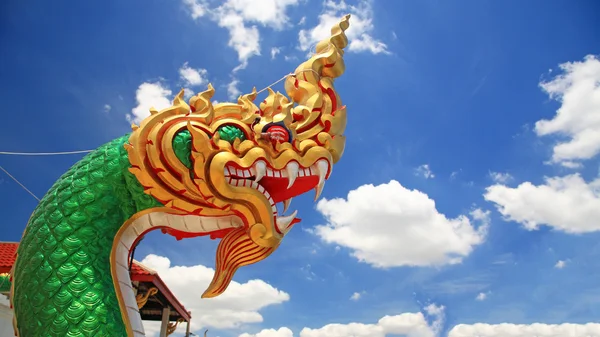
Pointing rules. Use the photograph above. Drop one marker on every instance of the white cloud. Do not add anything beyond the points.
(107, 108)
(274, 52)
(282, 332)
(570, 164)
(188, 93)
(560, 264)
(192, 76)
(523, 330)
(239, 304)
(232, 89)
(481, 296)
(438, 315)
(149, 95)
(359, 33)
(198, 8)
(568, 203)
(454, 174)
(237, 17)
(565, 203)
(389, 225)
(269, 13)
(424, 171)
(406, 324)
(356, 296)
(578, 118)
(245, 40)
(501, 178)
(302, 21)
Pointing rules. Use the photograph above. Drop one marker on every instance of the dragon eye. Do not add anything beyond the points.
(230, 133)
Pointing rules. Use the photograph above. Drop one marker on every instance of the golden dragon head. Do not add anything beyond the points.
(229, 164)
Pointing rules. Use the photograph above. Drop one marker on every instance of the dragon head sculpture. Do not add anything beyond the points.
(220, 169)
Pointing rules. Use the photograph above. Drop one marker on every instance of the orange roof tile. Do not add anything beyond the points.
(7, 255)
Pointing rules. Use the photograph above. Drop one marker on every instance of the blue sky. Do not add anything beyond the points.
(461, 87)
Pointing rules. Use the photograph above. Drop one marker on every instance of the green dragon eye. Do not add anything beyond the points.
(230, 133)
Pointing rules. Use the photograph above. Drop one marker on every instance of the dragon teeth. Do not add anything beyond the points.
(283, 222)
(321, 168)
(286, 204)
(260, 169)
(292, 172)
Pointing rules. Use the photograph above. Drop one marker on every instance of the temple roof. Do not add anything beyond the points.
(7, 255)
(145, 277)
(149, 278)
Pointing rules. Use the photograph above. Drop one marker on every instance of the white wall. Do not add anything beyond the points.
(6, 316)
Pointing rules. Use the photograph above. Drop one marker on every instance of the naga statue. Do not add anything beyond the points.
(192, 169)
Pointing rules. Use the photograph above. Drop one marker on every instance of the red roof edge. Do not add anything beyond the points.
(8, 252)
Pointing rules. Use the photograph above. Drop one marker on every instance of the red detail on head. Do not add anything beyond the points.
(278, 134)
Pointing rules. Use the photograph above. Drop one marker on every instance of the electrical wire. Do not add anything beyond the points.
(18, 182)
(43, 153)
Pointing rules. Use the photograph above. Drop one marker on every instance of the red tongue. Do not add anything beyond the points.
(277, 187)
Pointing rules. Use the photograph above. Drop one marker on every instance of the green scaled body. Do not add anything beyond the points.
(62, 279)
(4, 283)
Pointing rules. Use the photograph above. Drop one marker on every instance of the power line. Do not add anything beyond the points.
(18, 182)
(43, 153)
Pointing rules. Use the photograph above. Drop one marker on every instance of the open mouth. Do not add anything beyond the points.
(280, 185)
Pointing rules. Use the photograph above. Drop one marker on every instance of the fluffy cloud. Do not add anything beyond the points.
(197, 8)
(578, 117)
(481, 296)
(356, 296)
(240, 17)
(389, 225)
(274, 52)
(282, 332)
(269, 13)
(359, 33)
(239, 304)
(192, 76)
(501, 178)
(425, 171)
(245, 40)
(406, 324)
(232, 89)
(560, 264)
(237, 16)
(149, 95)
(522, 330)
(566, 203)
